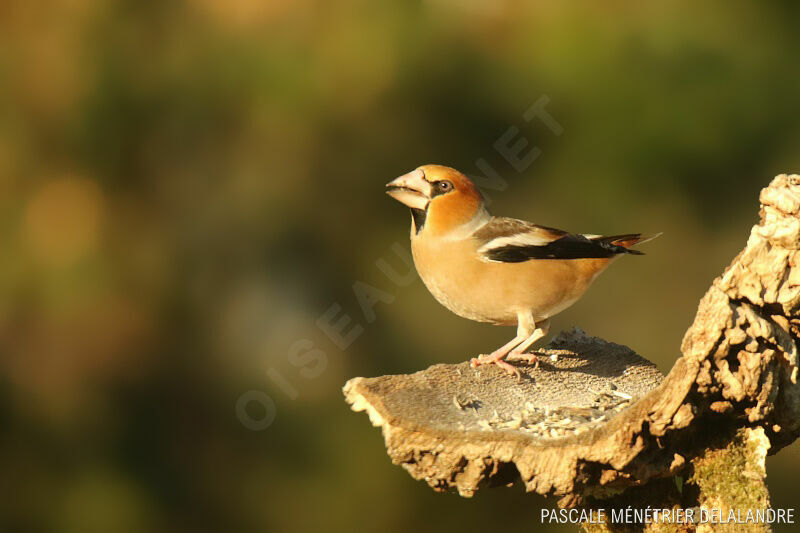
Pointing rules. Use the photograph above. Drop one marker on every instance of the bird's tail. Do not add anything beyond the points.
(627, 240)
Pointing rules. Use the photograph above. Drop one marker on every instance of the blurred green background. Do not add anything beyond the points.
(187, 186)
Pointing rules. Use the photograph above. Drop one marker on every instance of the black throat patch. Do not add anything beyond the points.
(419, 216)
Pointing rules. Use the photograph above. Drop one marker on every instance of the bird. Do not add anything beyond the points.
(498, 270)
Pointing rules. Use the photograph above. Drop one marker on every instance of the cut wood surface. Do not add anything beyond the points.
(598, 419)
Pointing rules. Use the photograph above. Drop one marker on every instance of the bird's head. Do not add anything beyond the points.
(441, 198)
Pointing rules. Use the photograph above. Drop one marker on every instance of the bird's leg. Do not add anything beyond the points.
(538, 333)
(499, 353)
(525, 329)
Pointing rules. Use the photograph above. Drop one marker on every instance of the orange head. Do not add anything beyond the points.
(441, 198)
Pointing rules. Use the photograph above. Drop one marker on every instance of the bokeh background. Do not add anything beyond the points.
(186, 187)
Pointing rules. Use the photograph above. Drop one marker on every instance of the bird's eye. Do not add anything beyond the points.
(444, 186)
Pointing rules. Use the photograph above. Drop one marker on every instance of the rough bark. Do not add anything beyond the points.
(601, 419)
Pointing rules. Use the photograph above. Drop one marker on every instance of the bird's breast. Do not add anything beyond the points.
(459, 279)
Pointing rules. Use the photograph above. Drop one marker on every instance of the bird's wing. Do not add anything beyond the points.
(507, 240)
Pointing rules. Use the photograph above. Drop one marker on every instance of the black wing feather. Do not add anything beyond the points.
(567, 247)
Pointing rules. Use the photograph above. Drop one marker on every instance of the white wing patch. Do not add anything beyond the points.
(520, 239)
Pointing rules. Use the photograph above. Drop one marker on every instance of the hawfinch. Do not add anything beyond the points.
(496, 269)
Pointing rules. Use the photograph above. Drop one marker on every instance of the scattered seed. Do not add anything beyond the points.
(457, 403)
(622, 394)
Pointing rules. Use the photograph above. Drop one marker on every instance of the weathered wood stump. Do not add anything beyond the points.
(597, 425)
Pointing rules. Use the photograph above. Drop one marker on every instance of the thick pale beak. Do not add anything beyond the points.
(411, 189)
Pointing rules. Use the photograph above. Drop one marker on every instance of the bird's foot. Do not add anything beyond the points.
(496, 359)
(529, 358)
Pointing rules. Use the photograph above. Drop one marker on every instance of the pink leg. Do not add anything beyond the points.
(538, 333)
(497, 356)
(527, 334)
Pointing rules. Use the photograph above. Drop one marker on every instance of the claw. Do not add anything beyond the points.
(511, 369)
(531, 358)
(528, 358)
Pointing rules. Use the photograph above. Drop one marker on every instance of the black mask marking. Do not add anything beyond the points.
(419, 216)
